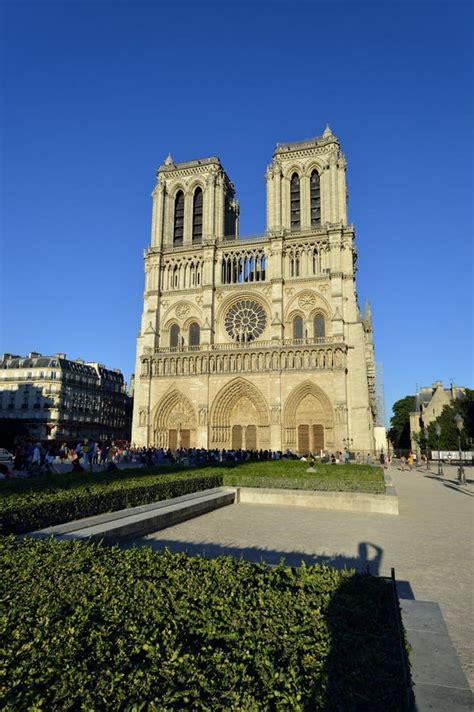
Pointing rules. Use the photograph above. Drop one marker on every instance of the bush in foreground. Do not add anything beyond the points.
(32, 509)
(91, 627)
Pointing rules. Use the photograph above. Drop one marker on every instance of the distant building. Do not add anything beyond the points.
(56, 398)
(429, 403)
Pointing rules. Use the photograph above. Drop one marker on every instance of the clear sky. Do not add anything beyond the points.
(95, 95)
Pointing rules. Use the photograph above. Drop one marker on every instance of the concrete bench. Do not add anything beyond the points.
(138, 521)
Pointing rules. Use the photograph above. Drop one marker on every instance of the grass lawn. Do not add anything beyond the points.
(291, 474)
(43, 501)
(90, 627)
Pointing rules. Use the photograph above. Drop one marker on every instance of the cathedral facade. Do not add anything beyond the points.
(254, 342)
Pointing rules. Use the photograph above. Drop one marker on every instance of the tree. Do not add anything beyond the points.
(449, 433)
(399, 433)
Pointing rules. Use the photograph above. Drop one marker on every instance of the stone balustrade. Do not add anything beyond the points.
(262, 356)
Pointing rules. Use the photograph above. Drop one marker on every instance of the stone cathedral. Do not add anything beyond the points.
(254, 342)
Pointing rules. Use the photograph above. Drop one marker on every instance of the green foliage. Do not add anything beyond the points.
(291, 474)
(449, 432)
(86, 627)
(400, 421)
(48, 503)
(36, 503)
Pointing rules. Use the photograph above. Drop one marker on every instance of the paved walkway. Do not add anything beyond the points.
(430, 543)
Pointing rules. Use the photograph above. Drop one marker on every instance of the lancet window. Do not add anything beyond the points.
(315, 194)
(175, 336)
(194, 334)
(297, 328)
(197, 215)
(295, 202)
(178, 231)
(319, 327)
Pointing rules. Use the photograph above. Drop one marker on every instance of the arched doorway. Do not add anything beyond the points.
(174, 422)
(308, 420)
(240, 418)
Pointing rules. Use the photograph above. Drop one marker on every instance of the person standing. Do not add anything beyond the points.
(85, 454)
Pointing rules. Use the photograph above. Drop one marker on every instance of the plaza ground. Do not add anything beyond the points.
(429, 543)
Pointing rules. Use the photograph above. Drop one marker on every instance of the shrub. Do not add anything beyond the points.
(90, 627)
(36, 509)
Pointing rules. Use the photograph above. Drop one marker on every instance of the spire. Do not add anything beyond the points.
(327, 132)
(169, 160)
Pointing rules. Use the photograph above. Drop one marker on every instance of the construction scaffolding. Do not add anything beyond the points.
(379, 396)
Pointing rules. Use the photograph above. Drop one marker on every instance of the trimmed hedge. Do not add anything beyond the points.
(90, 627)
(52, 499)
(36, 509)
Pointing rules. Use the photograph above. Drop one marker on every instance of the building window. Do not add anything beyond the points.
(174, 336)
(319, 327)
(295, 218)
(197, 215)
(178, 218)
(315, 192)
(194, 334)
(297, 328)
(316, 262)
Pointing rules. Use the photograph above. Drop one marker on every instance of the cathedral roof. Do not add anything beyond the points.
(169, 165)
(327, 137)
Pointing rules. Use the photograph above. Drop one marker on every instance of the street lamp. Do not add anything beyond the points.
(428, 466)
(460, 424)
(438, 434)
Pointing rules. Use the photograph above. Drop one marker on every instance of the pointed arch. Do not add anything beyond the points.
(174, 421)
(229, 396)
(296, 396)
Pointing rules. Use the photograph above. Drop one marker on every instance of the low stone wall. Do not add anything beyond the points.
(343, 501)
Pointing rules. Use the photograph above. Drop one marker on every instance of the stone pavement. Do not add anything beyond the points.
(430, 543)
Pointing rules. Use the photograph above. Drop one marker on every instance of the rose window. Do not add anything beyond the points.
(245, 321)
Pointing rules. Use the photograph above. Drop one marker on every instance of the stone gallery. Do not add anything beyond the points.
(254, 342)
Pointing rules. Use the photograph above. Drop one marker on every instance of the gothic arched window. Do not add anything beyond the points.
(319, 327)
(194, 334)
(174, 336)
(315, 193)
(178, 218)
(197, 215)
(297, 328)
(295, 217)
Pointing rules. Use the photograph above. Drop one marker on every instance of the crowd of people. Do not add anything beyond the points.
(36, 457)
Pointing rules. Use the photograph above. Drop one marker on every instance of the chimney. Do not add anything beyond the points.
(60, 355)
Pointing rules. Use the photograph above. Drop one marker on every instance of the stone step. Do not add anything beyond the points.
(439, 681)
(142, 520)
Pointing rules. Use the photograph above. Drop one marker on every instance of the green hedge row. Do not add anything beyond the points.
(36, 509)
(87, 627)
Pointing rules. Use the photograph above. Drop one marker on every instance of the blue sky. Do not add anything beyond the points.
(95, 95)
